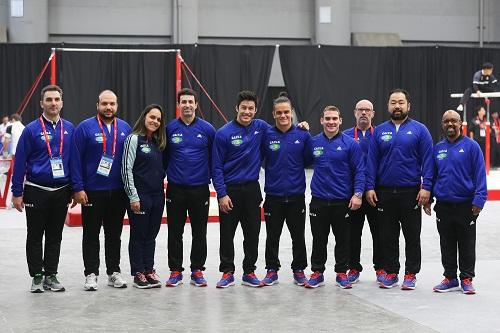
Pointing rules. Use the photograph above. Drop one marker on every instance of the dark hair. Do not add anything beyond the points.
(51, 87)
(247, 95)
(186, 91)
(282, 98)
(477, 108)
(330, 108)
(16, 117)
(487, 65)
(399, 90)
(159, 135)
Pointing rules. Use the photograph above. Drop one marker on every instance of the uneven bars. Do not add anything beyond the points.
(117, 50)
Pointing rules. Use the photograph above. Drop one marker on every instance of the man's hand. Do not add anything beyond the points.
(423, 197)
(355, 202)
(371, 197)
(225, 204)
(478, 93)
(80, 197)
(303, 125)
(18, 203)
(427, 209)
(135, 206)
(475, 210)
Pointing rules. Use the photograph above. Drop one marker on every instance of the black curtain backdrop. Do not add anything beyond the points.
(319, 76)
(314, 77)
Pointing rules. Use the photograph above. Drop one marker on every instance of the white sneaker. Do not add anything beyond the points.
(116, 280)
(460, 107)
(90, 282)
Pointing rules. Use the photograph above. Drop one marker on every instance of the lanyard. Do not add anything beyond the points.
(356, 132)
(104, 136)
(44, 129)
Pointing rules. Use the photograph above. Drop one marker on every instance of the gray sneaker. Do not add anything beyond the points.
(116, 280)
(51, 283)
(90, 282)
(37, 284)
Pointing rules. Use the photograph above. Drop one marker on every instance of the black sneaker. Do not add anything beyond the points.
(51, 283)
(153, 279)
(140, 281)
(37, 284)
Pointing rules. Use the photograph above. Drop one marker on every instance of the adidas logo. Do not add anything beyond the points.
(168, 200)
(461, 150)
(256, 132)
(297, 141)
(346, 215)
(312, 214)
(438, 219)
(416, 207)
(339, 148)
(472, 222)
(409, 132)
(66, 132)
(123, 134)
(380, 209)
(267, 214)
(206, 203)
(199, 136)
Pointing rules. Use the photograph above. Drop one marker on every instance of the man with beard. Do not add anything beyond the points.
(96, 158)
(399, 181)
(189, 154)
(460, 191)
(363, 133)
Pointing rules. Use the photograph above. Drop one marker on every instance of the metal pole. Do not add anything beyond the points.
(481, 23)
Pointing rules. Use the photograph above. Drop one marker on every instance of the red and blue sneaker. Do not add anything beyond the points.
(343, 281)
(251, 280)
(353, 276)
(299, 278)
(467, 287)
(197, 278)
(271, 277)
(380, 274)
(447, 285)
(409, 282)
(175, 279)
(227, 280)
(389, 281)
(316, 280)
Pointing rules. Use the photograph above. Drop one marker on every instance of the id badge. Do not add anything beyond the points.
(104, 167)
(57, 167)
(482, 132)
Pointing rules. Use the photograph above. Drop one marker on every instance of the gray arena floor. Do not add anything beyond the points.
(280, 308)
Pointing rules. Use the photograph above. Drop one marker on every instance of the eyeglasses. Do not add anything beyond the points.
(364, 110)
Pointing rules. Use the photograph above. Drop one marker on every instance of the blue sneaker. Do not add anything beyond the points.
(343, 281)
(299, 278)
(197, 278)
(316, 280)
(227, 280)
(447, 285)
(271, 277)
(251, 280)
(175, 279)
(409, 282)
(353, 276)
(389, 281)
(380, 273)
(467, 287)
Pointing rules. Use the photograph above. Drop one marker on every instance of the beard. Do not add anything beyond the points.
(400, 116)
(451, 132)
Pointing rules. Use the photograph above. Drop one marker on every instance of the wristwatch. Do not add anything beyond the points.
(358, 195)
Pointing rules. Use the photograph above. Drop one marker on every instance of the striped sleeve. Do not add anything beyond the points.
(128, 160)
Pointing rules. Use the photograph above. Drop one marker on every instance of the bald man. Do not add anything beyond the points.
(460, 192)
(96, 158)
(362, 132)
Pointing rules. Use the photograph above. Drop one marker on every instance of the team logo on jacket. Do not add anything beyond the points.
(318, 151)
(145, 148)
(176, 138)
(274, 145)
(236, 140)
(442, 154)
(42, 136)
(386, 136)
(98, 137)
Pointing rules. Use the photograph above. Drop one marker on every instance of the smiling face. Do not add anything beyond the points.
(107, 106)
(282, 114)
(398, 106)
(451, 125)
(51, 104)
(331, 122)
(245, 111)
(152, 121)
(187, 105)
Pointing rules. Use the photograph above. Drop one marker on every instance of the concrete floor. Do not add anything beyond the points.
(280, 308)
